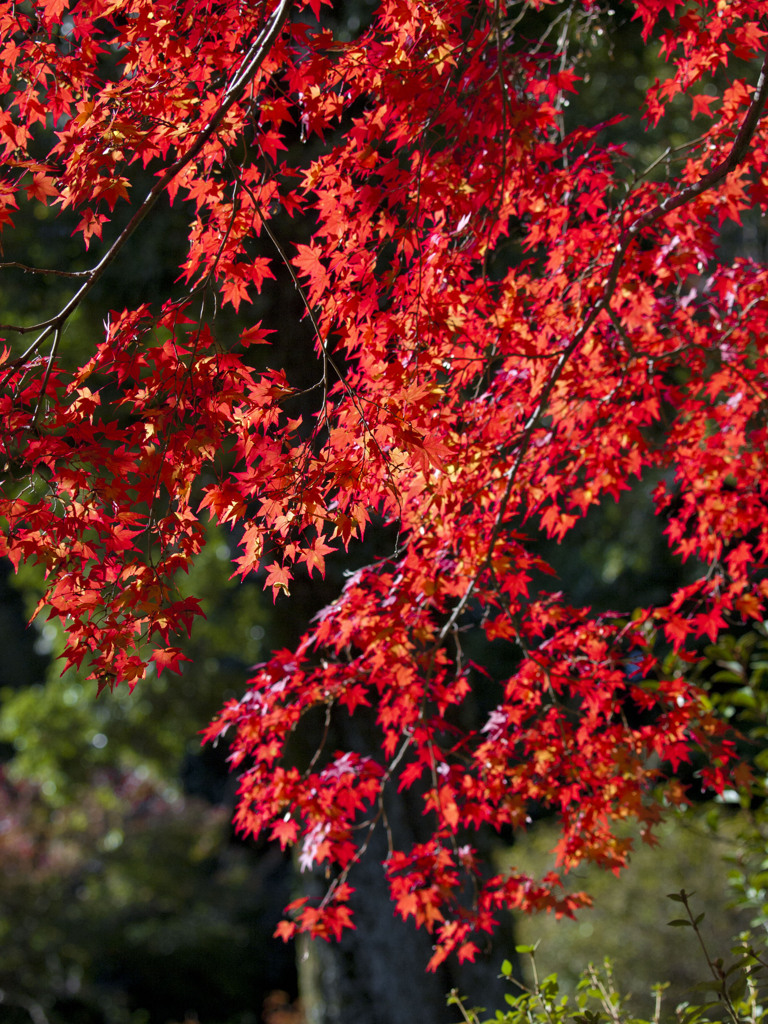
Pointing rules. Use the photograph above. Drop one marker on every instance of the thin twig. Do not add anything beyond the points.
(42, 270)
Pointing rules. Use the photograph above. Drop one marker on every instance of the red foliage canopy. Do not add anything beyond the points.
(466, 398)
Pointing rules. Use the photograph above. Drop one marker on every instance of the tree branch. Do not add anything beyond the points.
(736, 155)
(253, 61)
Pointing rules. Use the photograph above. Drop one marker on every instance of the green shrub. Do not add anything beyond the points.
(732, 992)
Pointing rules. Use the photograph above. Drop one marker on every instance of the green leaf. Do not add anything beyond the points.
(709, 986)
(740, 965)
(738, 989)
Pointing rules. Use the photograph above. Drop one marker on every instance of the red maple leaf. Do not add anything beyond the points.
(278, 577)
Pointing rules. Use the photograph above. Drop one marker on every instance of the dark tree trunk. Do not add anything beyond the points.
(377, 973)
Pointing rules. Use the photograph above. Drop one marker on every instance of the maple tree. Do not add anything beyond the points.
(509, 326)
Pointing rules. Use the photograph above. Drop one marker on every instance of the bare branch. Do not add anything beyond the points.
(45, 271)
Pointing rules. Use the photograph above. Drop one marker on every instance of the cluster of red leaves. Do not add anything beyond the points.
(468, 399)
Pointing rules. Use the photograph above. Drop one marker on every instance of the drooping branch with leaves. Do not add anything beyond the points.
(509, 327)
